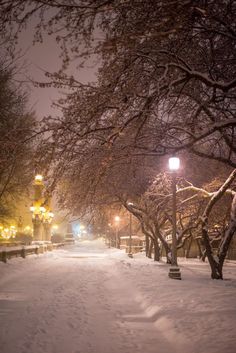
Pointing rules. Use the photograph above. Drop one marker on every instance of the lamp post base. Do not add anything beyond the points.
(130, 255)
(174, 272)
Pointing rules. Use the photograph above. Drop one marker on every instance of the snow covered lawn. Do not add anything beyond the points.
(86, 298)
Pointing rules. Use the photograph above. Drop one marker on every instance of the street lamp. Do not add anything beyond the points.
(38, 178)
(41, 211)
(174, 272)
(37, 209)
(54, 228)
(109, 235)
(130, 232)
(117, 220)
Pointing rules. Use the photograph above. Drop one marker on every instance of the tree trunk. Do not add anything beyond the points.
(200, 252)
(168, 255)
(165, 245)
(216, 269)
(203, 256)
(225, 243)
(156, 250)
(188, 247)
(150, 249)
(217, 261)
(147, 244)
(168, 252)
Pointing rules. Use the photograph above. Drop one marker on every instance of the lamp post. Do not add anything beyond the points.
(109, 235)
(117, 220)
(41, 211)
(174, 271)
(130, 254)
(37, 210)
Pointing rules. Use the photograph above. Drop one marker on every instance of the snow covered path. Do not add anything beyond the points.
(90, 299)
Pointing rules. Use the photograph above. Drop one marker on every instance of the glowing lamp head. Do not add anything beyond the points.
(117, 218)
(42, 209)
(38, 177)
(174, 163)
(32, 209)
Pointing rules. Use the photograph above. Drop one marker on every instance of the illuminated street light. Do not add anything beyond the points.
(42, 209)
(54, 228)
(38, 177)
(130, 232)
(51, 214)
(13, 231)
(117, 220)
(174, 164)
(6, 233)
(28, 229)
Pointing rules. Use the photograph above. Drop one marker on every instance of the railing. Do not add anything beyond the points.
(23, 251)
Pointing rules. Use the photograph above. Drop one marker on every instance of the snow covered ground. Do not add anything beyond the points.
(86, 298)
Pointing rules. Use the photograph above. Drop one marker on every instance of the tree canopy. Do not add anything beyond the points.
(167, 72)
(166, 84)
(17, 126)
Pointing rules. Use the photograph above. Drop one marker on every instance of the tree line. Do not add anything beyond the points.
(165, 84)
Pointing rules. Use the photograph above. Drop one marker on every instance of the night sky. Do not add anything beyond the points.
(42, 57)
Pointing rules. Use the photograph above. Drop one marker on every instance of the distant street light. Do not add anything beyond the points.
(117, 220)
(174, 272)
(130, 254)
(28, 230)
(38, 178)
(55, 227)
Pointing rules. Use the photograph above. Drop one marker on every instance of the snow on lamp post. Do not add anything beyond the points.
(174, 164)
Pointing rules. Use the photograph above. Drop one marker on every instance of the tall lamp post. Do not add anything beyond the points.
(174, 271)
(41, 211)
(37, 209)
(117, 220)
(130, 254)
(109, 235)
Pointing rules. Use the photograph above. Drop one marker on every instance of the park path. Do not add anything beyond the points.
(77, 300)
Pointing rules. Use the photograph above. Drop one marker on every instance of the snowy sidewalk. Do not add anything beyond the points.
(90, 299)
